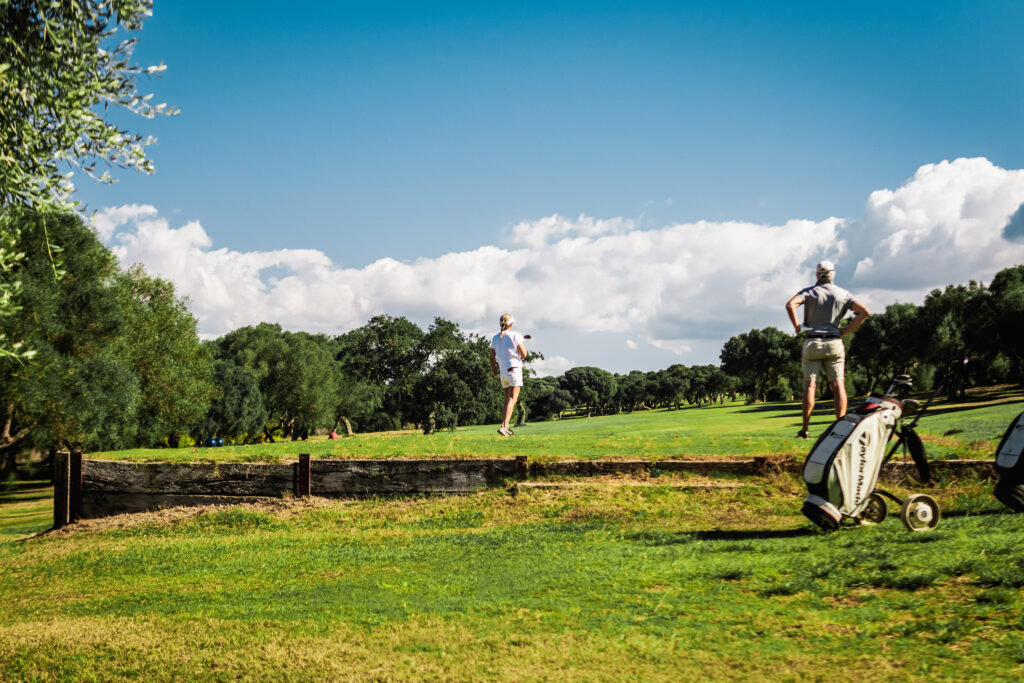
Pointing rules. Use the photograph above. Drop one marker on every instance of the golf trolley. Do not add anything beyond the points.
(1010, 466)
(843, 466)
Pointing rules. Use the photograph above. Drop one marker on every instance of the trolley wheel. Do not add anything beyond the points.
(920, 513)
(875, 512)
(917, 453)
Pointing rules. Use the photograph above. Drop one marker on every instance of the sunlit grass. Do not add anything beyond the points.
(607, 581)
(26, 508)
(970, 430)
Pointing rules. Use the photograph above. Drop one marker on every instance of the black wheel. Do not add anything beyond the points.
(1011, 495)
(920, 513)
(875, 512)
(916, 448)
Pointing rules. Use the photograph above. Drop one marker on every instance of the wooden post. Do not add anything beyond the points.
(61, 489)
(302, 483)
(77, 467)
(521, 468)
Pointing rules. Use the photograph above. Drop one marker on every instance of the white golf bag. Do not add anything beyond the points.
(843, 467)
(1010, 466)
(844, 464)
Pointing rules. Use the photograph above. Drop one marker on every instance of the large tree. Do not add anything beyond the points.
(79, 390)
(1006, 316)
(590, 387)
(391, 353)
(457, 389)
(63, 67)
(296, 372)
(889, 343)
(545, 397)
(953, 320)
(759, 358)
(163, 348)
(236, 410)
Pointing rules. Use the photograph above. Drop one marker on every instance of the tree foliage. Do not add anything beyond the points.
(63, 65)
(162, 347)
(78, 391)
(759, 358)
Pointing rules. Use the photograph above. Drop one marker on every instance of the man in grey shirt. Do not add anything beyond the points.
(823, 353)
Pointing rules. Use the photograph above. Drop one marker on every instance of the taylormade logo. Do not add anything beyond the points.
(863, 441)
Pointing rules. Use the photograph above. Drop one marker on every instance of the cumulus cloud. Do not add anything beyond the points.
(552, 366)
(678, 288)
(950, 223)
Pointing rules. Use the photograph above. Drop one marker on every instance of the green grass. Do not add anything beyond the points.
(601, 582)
(971, 429)
(26, 509)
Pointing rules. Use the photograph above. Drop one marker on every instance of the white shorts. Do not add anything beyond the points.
(513, 377)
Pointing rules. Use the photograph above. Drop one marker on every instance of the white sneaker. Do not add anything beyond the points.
(504, 431)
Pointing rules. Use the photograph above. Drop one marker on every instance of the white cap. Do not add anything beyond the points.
(826, 267)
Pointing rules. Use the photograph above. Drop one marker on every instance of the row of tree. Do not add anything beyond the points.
(959, 336)
(116, 361)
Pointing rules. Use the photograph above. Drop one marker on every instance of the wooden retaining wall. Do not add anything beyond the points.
(97, 488)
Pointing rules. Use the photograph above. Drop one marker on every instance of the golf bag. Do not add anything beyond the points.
(843, 467)
(1010, 466)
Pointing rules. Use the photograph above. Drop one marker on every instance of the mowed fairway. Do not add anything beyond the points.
(659, 578)
(969, 429)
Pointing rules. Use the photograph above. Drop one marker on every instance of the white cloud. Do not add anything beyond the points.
(552, 366)
(535, 234)
(631, 345)
(945, 225)
(109, 220)
(683, 288)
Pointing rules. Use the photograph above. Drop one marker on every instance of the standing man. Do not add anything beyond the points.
(823, 353)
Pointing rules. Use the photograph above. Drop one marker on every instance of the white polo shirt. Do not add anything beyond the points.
(506, 350)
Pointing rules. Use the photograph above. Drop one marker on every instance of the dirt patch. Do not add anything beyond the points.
(280, 507)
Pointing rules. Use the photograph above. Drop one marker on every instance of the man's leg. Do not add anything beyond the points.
(809, 390)
(835, 373)
(839, 393)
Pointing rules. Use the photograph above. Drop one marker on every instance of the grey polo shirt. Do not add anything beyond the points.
(824, 307)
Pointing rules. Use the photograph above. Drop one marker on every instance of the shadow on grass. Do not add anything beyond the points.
(24, 491)
(682, 537)
(774, 408)
(975, 513)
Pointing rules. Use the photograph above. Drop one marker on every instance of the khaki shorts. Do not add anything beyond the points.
(823, 357)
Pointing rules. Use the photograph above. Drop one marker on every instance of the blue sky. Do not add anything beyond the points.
(420, 131)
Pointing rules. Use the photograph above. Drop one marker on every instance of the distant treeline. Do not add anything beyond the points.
(117, 362)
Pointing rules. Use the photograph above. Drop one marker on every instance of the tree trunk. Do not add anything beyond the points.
(8, 462)
(348, 426)
(173, 440)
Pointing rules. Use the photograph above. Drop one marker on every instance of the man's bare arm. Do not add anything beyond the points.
(791, 307)
(860, 314)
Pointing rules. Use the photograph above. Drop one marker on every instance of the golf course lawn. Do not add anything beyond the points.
(969, 429)
(614, 579)
(663, 578)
